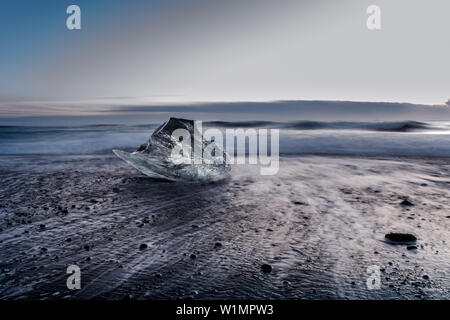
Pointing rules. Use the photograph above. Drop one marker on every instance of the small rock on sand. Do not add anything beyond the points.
(193, 256)
(266, 268)
(401, 237)
(406, 203)
(143, 246)
(411, 247)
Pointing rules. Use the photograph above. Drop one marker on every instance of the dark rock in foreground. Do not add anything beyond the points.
(266, 268)
(406, 203)
(143, 246)
(401, 237)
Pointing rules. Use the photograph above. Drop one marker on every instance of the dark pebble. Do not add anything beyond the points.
(266, 268)
(426, 277)
(193, 256)
(86, 247)
(406, 203)
(401, 237)
(218, 245)
(42, 226)
(411, 247)
(143, 246)
(69, 239)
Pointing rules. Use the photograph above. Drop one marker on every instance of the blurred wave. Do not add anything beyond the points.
(401, 126)
(399, 138)
(397, 126)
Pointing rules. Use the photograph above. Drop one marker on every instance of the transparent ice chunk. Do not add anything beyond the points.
(154, 158)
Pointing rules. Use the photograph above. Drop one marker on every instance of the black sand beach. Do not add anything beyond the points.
(319, 224)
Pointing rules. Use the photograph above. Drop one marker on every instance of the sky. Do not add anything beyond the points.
(161, 52)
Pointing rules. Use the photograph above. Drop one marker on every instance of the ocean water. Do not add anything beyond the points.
(403, 138)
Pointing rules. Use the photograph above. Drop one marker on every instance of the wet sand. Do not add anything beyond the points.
(319, 224)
